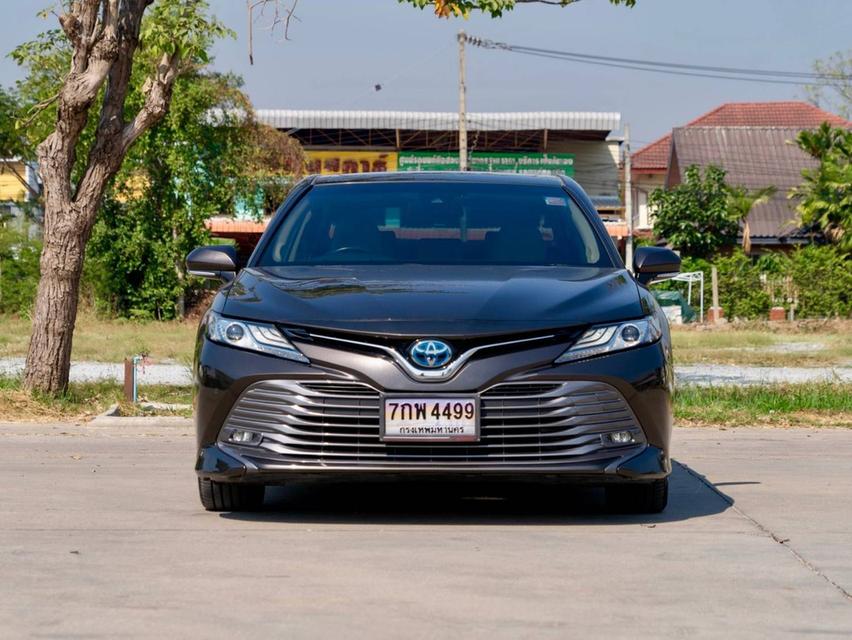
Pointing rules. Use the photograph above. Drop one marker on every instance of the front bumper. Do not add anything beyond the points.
(645, 462)
(237, 389)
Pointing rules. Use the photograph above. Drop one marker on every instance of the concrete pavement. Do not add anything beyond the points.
(101, 535)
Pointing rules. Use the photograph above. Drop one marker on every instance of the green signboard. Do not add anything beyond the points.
(555, 163)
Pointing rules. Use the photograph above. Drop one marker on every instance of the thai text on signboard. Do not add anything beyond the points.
(351, 161)
(554, 163)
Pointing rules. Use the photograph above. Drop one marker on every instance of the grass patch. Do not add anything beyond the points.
(812, 404)
(768, 345)
(82, 401)
(109, 340)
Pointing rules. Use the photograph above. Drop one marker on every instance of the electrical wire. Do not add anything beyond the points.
(767, 76)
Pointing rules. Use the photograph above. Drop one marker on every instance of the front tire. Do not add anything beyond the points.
(650, 497)
(230, 496)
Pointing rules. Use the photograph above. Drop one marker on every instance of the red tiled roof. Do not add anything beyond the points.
(652, 157)
(792, 114)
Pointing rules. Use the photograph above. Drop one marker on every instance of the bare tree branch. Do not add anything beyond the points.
(157, 90)
(283, 13)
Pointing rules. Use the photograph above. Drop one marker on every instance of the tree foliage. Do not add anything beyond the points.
(740, 203)
(207, 157)
(181, 172)
(748, 287)
(825, 195)
(18, 269)
(102, 46)
(11, 143)
(694, 216)
(494, 8)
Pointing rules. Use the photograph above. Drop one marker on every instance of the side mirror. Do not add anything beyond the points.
(216, 262)
(655, 263)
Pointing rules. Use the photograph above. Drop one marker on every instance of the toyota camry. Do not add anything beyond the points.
(452, 325)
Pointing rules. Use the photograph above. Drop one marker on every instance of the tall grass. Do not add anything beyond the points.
(83, 400)
(819, 403)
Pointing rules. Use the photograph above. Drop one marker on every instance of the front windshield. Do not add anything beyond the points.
(455, 223)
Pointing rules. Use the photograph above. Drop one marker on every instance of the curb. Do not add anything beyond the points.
(169, 422)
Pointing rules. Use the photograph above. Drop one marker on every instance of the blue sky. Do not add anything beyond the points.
(339, 49)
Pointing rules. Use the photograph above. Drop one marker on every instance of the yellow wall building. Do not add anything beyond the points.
(11, 189)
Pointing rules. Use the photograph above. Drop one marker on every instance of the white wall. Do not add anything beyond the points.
(595, 164)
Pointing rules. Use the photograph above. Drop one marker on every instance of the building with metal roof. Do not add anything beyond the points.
(441, 121)
(578, 144)
(753, 157)
(575, 143)
(650, 164)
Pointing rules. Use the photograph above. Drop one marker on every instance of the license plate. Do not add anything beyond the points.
(407, 419)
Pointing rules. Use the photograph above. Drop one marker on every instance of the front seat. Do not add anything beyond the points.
(518, 241)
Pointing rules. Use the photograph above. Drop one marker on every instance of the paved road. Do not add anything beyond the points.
(101, 536)
(704, 374)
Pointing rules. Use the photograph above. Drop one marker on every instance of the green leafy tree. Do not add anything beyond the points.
(740, 203)
(822, 276)
(207, 155)
(182, 171)
(18, 269)
(825, 195)
(104, 42)
(694, 216)
(494, 8)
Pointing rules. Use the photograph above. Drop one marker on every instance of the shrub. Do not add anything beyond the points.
(19, 271)
(741, 292)
(694, 216)
(822, 276)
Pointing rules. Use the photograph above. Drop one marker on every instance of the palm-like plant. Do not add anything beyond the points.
(740, 203)
(825, 195)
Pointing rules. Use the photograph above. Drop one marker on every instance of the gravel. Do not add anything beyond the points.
(723, 374)
(169, 374)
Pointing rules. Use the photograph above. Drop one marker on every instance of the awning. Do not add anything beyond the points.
(440, 121)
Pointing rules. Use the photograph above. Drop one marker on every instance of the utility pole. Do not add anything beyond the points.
(628, 200)
(462, 106)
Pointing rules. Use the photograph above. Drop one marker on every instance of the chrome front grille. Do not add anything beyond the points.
(336, 423)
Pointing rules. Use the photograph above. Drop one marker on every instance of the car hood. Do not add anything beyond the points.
(405, 300)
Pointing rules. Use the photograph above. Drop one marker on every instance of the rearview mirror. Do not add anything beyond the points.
(651, 264)
(216, 262)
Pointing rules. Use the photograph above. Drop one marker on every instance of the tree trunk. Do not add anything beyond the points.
(49, 355)
(104, 35)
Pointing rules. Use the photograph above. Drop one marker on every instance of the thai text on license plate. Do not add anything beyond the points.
(428, 419)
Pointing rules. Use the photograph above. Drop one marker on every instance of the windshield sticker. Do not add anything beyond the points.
(555, 202)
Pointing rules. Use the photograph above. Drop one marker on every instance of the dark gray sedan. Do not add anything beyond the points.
(434, 324)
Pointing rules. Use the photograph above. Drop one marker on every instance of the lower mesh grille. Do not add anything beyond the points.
(334, 423)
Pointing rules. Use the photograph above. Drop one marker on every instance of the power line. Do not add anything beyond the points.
(769, 76)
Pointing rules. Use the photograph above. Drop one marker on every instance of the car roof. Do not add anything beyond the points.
(442, 176)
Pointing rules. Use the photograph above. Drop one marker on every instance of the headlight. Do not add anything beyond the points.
(254, 336)
(613, 337)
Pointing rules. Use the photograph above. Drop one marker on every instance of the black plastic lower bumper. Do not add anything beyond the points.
(649, 463)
